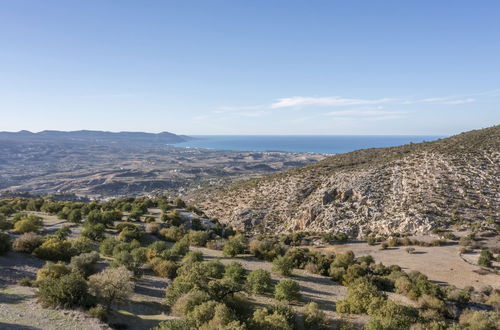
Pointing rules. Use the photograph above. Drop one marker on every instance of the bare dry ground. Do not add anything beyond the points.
(442, 264)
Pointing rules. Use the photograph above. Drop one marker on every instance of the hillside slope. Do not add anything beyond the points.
(411, 188)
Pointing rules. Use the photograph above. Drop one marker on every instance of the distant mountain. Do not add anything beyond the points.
(410, 188)
(86, 136)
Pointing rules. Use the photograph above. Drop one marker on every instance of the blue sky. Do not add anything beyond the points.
(250, 67)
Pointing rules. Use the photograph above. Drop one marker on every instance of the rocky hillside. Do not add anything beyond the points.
(411, 188)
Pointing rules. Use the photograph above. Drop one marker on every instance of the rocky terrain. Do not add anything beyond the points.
(411, 188)
(103, 165)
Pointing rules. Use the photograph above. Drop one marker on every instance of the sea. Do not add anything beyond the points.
(323, 144)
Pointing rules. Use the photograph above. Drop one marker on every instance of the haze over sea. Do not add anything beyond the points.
(326, 144)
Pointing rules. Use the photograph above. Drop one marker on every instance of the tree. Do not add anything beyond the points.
(283, 265)
(288, 290)
(112, 285)
(259, 281)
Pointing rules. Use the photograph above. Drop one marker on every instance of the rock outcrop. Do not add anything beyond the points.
(411, 188)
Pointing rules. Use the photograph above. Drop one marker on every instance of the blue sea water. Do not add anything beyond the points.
(327, 144)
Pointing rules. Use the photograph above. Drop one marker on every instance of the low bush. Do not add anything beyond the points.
(288, 290)
(259, 281)
(153, 228)
(52, 270)
(234, 246)
(282, 265)
(25, 281)
(55, 250)
(189, 301)
(28, 225)
(66, 291)
(112, 285)
(275, 319)
(164, 268)
(129, 234)
(314, 318)
(173, 234)
(198, 238)
(5, 244)
(235, 272)
(485, 258)
(93, 231)
(99, 312)
(121, 226)
(85, 263)
(266, 248)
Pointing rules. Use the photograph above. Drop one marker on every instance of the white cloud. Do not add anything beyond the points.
(463, 101)
(301, 101)
(362, 113)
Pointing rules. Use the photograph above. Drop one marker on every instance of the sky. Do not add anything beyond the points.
(250, 67)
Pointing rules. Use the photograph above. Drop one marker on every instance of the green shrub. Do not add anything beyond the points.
(283, 265)
(66, 291)
(264, 318)
(173, 234)
(479, 320)
(267, 248)
(485, 258)
(25, 281)
(179, 286)
(153, 228)
(213, 315)
(5, 224)
(75, 216)
(235, 272)
(362, 295)
(132, 260)
(198, 238)
(192, 256)
(314, 318)
(288, 290)
(234, 246)
(81, 245)
(4, 242)
(28, 225)
(344, 260)
(164, 268)
(129, 234)
(99, 312)
(107, 246)
(85, 263)
(52, 270)
(189, 301)
(112, 285)
(93, 231)
(121, 226)
(176, 324)
(55, 250)
(259, 281)
(337, 273)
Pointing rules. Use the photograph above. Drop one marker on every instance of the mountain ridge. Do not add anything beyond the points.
(410, 188)
(95, 136)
